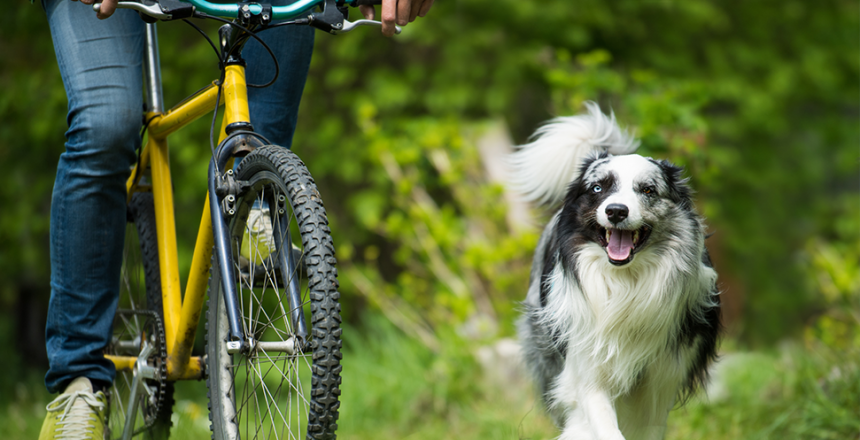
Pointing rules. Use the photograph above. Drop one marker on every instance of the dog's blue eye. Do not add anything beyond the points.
(596, 188)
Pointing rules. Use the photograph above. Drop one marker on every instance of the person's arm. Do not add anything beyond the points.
(398, 12)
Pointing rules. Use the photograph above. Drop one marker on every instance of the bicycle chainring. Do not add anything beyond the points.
(152, 331)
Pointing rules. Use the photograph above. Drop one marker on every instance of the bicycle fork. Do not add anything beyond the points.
(224, 190)
(239, 342)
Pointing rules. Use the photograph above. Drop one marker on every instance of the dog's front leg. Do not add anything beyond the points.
(595, 410)
(600, 411)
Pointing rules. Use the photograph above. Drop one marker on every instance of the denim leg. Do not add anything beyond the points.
(274, 109)
(100, 62)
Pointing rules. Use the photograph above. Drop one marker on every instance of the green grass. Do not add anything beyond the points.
(790, 394)
(395, 388)
(22, 404)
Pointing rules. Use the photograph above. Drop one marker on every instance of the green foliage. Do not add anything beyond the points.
(833, 272)
(441, 224)
(759, 100)
(22, 394)
(395, 387)
(793, 393)
(765, 127)
(808, 392)
(33, 117)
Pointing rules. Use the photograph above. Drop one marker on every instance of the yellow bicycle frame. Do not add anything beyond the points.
(181, 316)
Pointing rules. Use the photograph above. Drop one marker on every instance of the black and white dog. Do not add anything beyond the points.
(622, 313)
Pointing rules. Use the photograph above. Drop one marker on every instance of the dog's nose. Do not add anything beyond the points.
(617, 212)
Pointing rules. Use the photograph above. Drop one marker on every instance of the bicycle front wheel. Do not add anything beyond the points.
(287, 384)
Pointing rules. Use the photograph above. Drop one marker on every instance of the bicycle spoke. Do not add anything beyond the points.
(257, 386)
(139, 297)
(269, 387)
(266, 392)
(284, 247)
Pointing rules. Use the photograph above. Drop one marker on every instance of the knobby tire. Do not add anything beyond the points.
(266, 395)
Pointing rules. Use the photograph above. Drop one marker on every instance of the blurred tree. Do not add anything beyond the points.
(758, 99)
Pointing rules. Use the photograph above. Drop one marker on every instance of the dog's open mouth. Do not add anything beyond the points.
(621, 244)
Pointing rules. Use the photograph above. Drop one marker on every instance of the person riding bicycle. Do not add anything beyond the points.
(100, 63)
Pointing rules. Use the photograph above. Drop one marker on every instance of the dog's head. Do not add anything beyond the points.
(626, 203)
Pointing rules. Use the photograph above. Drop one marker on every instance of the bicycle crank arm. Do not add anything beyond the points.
(141, 371)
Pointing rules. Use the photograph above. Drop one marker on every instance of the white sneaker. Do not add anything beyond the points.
(77, 414)
(259, 237)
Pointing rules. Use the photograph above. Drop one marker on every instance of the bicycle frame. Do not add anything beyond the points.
(181, 316)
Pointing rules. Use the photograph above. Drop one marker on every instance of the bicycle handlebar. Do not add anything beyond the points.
(229, 10)
(175, 9)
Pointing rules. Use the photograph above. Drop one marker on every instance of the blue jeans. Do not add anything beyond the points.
(100, 62)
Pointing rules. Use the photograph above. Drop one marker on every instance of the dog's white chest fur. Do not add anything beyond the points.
(617, 325)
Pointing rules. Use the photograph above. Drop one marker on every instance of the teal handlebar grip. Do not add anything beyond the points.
(230, 10)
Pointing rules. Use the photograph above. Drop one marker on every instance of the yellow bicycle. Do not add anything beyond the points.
(263, 252)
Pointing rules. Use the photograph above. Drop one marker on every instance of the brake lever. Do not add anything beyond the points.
(350, 25)
(143, 6)
(165, 10)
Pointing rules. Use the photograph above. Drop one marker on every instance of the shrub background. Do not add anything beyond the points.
(759, 100)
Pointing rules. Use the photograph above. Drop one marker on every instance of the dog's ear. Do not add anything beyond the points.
(679, 188)
(576, 188)
(589, 161)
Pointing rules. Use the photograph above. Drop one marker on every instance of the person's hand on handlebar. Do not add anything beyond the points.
(106, 10)
(398, 12)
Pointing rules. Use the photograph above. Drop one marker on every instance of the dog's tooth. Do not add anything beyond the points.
(635, 236)
(608, 234)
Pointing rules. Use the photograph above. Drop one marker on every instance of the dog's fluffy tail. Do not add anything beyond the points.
(543, 168)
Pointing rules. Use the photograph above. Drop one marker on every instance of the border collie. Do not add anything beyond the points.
(622, 314)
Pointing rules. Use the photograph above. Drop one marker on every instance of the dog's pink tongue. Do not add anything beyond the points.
(620, 244)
